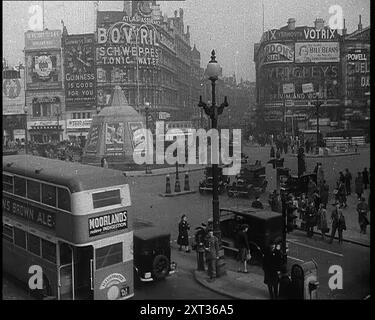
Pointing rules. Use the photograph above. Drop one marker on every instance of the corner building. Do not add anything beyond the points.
(289, 57)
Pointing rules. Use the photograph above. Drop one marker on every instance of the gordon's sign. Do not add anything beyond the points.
(108, 223)
(276, 53)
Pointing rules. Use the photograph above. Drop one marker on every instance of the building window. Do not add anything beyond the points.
(46, 110)
(37, 110)
(89, 114)
(83, 115)
(73, 115)
(20, 238)
(33, 244)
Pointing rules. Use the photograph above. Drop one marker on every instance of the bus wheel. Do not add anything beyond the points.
(160, 267)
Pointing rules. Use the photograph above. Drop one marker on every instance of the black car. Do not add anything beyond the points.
(206, 185)
(152, 252)
(265, 228)
(297, 185)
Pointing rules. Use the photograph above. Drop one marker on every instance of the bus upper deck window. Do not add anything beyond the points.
(7, 183)
(20, 186)
(49, 195)
(33, 190)
(20, 238)
(63, 199)
(33, 244)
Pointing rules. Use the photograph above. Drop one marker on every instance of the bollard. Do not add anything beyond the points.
(177, 187)
(186, 186)
(168, 184)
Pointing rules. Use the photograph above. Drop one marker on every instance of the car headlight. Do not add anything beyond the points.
(147, 275)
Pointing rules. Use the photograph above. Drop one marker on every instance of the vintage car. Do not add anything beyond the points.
(250, 181)
(265, 228)
(207, 183)
(296, 185)
(152, 252)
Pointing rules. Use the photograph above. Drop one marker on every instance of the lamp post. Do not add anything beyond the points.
(213, 71)
(147, 104)
(25, 109)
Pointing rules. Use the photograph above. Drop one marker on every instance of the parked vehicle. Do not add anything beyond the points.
(251, 180)
(265, 228)
(297, 185)
(152, 252)
(207, 183)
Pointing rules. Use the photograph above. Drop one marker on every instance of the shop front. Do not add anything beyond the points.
(45, 131)
(78, 129)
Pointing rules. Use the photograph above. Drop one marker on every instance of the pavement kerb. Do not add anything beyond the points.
(171, 171)
(336, 238)
(199, 276)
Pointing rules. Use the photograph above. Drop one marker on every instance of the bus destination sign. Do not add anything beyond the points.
(108, 223)
(29, 212)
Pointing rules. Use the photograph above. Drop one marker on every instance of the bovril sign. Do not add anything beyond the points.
(78, 123)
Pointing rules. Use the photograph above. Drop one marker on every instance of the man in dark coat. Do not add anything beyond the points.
(243, 248)
(348, 181)
(365, 178)
(338, 223)
(212, 254)
(301, 161)
(272, 265)
(362, 210)
(324, 193)
(183, 236)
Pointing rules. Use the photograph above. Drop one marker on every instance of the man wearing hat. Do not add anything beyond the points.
(362, 209)
(212, 253)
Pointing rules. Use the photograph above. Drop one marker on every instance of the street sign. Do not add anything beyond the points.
(289, 103)
(288, 88)
(307, 87)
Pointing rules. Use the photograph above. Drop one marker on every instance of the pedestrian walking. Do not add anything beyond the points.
(104, 163)
(272, 152)
(311, 187)
(338, 223)
(272, 265)
(324, 193)
(348, 181)
(322, 223)
(310, 219)
(365, 178)
(319, 175)
(199, 238)
(278, 155)
(341, 191)
(212, 254)
(301, 161)
(243, 248)
(362, 209)
(183, 236)
(302, 206)
(359, 185)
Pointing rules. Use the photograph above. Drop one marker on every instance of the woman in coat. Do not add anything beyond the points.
(324, 193)
(359, 185)
(322, 223)
(365, 178)
(183, 236)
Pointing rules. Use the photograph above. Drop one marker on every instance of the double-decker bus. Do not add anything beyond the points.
(72, 221)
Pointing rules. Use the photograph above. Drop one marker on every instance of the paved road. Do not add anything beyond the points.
(166, 212)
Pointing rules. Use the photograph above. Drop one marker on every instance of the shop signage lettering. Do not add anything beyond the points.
(47, 39)
(319, 34)
(274, 35)
(277, 52)
(108, 223)
(356, 57)
(78, 123)
(28, 212)
(289, 73)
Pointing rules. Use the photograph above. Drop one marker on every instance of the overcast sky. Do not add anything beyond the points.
(231, 27)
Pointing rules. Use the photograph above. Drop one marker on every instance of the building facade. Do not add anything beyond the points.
(45, 96)
(295, 66)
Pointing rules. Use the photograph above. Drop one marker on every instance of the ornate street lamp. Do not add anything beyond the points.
(25, 109)
(213, 71)
(147, 105)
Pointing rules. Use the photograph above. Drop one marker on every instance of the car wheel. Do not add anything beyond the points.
(160, 267)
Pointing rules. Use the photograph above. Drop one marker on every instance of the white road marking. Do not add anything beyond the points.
(319, 249)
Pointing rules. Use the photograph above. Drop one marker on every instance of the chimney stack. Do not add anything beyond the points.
(319, 23)
(360, 23)
(291, 24)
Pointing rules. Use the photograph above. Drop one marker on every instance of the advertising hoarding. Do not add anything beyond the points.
(47, 39)
(276, 53)
(78, 123)
(43, 70)
(92, 142)
(114, 137)
(14, 95)
(306, 52)
(80, 72)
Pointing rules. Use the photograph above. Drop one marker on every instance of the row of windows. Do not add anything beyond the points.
(37, 191)
(32, 243)
(81, 115)
(45, 109)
